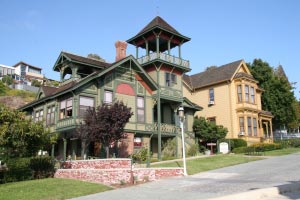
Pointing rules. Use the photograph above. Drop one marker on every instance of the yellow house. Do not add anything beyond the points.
(231, 97)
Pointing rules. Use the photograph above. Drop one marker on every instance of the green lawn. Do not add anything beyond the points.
(49, 189)
(281, 152)
(209, 163)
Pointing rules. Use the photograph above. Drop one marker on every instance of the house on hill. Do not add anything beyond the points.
(150, 84)
(231, 97)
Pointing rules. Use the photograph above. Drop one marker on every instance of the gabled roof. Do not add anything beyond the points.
(213, 76)
(81, 60)
(52, 92)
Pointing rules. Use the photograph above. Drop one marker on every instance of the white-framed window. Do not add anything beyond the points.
(85, 103)
(247, 93)
(66, 108)
(140, 104)
(211, 96)
(254, 127)
(252, 95)
(249, 123)
(242, 124)
(239, 93)
(108, 97)
(50, 117)
(39, 115)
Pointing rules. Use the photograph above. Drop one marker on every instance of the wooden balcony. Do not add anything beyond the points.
(164, 57)
(66, 123)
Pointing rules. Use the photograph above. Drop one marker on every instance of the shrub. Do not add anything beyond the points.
(42, 167)
(18, 170)
(295, 142)
(169, 148)
(239, 150)
(193, 150)
(259, 147)
(141, 155)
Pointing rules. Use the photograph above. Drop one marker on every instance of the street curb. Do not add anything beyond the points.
(262, 193)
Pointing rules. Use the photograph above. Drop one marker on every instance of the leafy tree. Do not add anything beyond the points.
(95, 56)
(8, 80)
(296, 123)
(211, 68)
(36, 83)
(207, 131)
(277, 96)
(105, 124)
(2, 88)
(20, 136)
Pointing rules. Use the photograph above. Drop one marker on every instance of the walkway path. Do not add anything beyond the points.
(253, 179)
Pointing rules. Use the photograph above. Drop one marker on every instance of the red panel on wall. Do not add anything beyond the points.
(124, 88)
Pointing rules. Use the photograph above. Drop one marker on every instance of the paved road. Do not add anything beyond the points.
(280, 172)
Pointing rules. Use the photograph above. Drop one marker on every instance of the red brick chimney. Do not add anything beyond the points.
(120, 49)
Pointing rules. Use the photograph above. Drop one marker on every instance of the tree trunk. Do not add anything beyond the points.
(107, 151)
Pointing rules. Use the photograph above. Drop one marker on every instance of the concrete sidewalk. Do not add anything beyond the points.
(281, 192)
(272, 178)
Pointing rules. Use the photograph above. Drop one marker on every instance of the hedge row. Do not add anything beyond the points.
(21, 169)
(257, 148)
(295, 142)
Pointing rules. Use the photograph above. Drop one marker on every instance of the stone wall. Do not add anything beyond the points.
(114, 171)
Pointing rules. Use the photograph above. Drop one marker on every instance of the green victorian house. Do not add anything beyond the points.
(151, 84)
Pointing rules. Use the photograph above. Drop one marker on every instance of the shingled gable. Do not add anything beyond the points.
(158, 22)
(213, 76)
(81, 60)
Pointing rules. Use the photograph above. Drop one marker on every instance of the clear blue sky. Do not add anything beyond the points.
(221, 31)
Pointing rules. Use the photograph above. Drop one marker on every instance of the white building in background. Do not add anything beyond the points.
(23, 74)
(6, 70)
(28, 72)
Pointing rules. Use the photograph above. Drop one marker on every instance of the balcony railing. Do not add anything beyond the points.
(167, 128)
(164, 57)
(66, 123)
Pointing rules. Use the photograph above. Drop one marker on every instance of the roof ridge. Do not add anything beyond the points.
(74, 54)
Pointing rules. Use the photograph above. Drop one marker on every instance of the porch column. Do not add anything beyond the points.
(267, 129)
(74, 72)
(52, 150)
(271, 129)
(61, 75)
(158, 127)
(179, 51)
(147, 48)
(83, 146)
(65, 149)
(136, 52)
(169, 47)
(157, 45)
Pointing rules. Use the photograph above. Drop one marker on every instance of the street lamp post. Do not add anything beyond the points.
(181, 118)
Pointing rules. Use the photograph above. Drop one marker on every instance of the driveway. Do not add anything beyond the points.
(277, 171)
